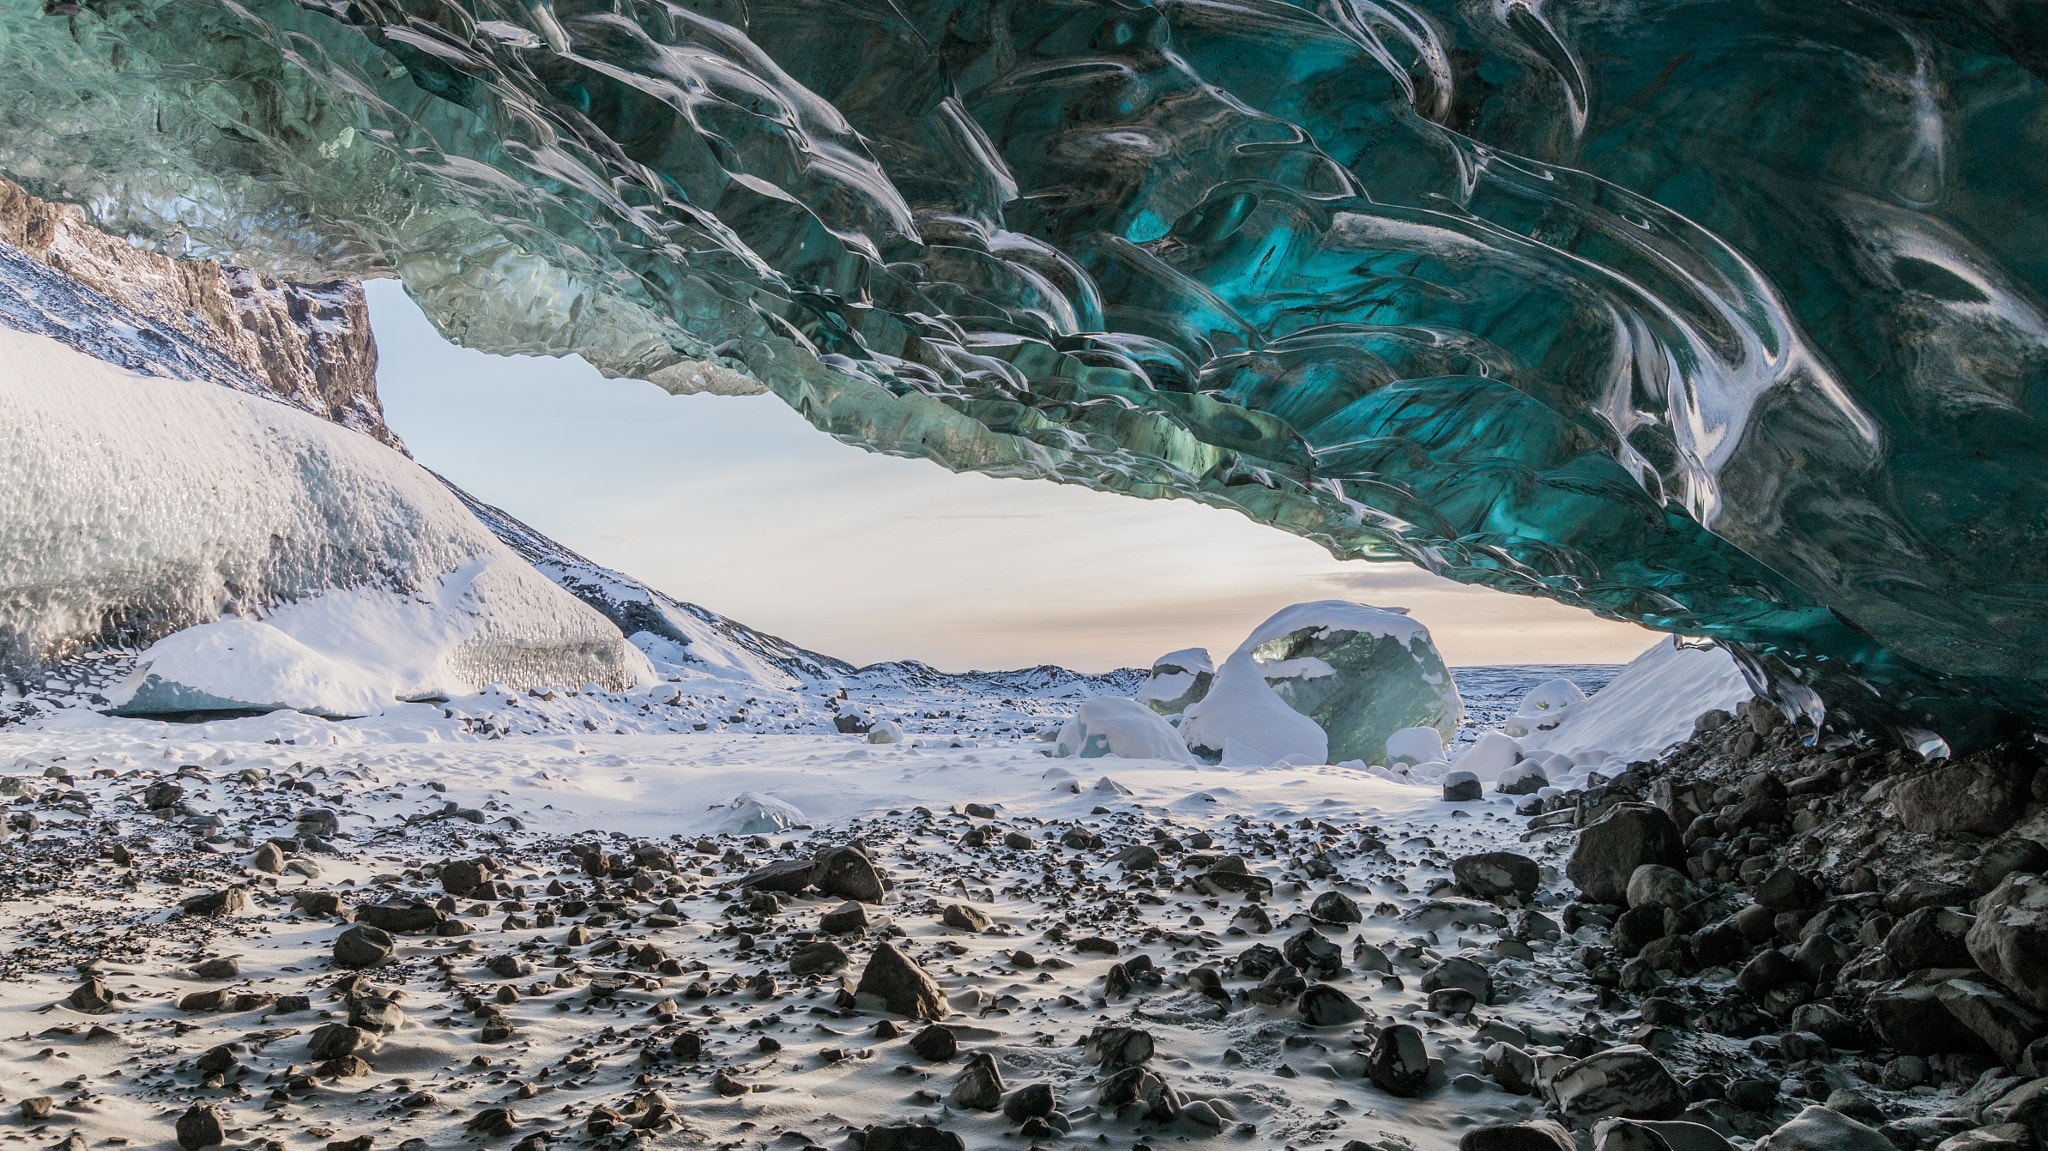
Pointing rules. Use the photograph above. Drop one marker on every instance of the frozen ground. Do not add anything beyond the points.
(587, 1020)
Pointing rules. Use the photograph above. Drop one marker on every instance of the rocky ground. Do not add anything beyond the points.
(1749, 940)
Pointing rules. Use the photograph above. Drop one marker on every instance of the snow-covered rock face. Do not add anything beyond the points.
(132, 507)
(1361, 673)
(1179, 680)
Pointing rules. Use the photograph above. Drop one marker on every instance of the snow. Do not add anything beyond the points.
(1125, 728)
(1647, 708)
(1488, 756)
(241, 664)
(1551, 696)
(149, 504)
(1413, 745)
(1241, 708)
(1337, 615)
(1192, 660)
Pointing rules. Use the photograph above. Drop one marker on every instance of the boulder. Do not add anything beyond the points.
(895, 981)
(2026, 1105)
(2004, 856)
(788, 876)
(2006, 1026)
(1627, 837)
(1983, 794)
(1335, 908)
(961, 917)
(1627, 1082)
(1929, 937)
(1399, 1061)
(817, 958)
(400, 917)
(1656, 883)
(2010, 938)
(1496, 874)
(1908, 1015)
(363, 946)
(462, 876)
(1324, 1006)
(201, 1126)
(1458, 971)
(1535, 1135)
(1821, 1129)
(1787, 889)
(1524, 778)
(848, 874)
(844, 919)
(979, 1086)
(1462, 787)
(911, 1137)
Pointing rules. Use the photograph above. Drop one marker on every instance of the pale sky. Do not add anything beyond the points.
(737, 504)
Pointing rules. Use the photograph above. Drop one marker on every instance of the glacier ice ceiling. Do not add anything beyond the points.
(1723, 316)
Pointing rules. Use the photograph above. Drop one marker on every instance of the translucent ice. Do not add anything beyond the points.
(1179, 679)
(1362, 673)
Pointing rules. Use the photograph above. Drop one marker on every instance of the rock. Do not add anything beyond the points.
(844, 919)
(36, 1108)
(1929, 937)
(1627, 1082)
(2006, 1026)
(509, 966)
(980, 811)
(1511, 1067)
(227, 901)
(1114, 1046)
(1786, 889)
(375, 1014)
(1335, 907)
(2001, 1137)
(979, 1086)
(219, 967)
(1496, 874)
(1018, 841)
(1983, 794)
(1452, 1001)
(961, 917)
(901, 986)
(1313, 952)
(1819, 1129)
(817, 958)
(402, 916)
(1535, 1135)
(1136, 857)
(201, 1126)
(1138, 1087)
(935, 1044)
(203, 1001)
(1909, 1016)
(493, 1123)
(1667, 1135)
(2003, 857)
(335, 1041)
(1457, 971)
(848, 874)
(93, 997)
(911, 1137)
(1462, 787)
(1034, 1102)
(463, 876)
(268, 859)
(1324, 1006)
(363, 946)
(1627, 837)
(1399, 1061)
(2010, 938)
(2026, 1105)
(1655, 883)
(788, 876)
(1524, 778)
(216, 1060)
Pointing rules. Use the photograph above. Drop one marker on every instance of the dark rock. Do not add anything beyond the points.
(2010, 938)
(935, 1044)
(1913, 894)
(848, 874)
(1113, 1046)
(844, 919)
(1609, 851)
(1819, 1129)
(817, 958)
(1136, 857)
(979, 1086)
(375, 1013)
(901, 985)
(1399, 1061)
(1758, 1095)
(204, 1001)
(334, 1041)
(1929, 937)
(1495, 874)
(1463, 787)
(363, 946)
(461, 877)
(2005, 1026)
(911, 1137)
(1638, 927)
(1998, 1137)
(2005, 856)
(227, 901)
(1983, 794)
(1452, 1001)
(1034, 1102)
(1628, 1082)
(1139, 1087)
(402, 917)
(509, 966)
(1511, 1067)
(1855, 1106)
(1018, 841)
(788, 876)
(1335, 907)
(268, 858)
(1221, 883)
(1788, 890)
(216, 1060)
(93, 997)
(201, 1126)
(1313, 952)
(1324, 1006)
(1535, 1135)
(1909, 1016)
(493, 1123)
(961, 917)
(1457, 971)
(220, 967)
(2026, 1105)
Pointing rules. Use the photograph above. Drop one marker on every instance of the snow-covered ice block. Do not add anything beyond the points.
(1179, 679)
(244, 665)
(1242, 708)
(1360, 672)
(1413, 745)
(751, 813)
(887, 731)
(1125, 728)
(1488, 756)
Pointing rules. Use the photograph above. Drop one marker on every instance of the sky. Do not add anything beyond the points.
(737, 504)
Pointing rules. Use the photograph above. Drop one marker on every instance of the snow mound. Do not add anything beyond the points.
(1125, 728)
(138, 506)
(1647, 708)
(750, 813)
(1242, 709)
(244, 665)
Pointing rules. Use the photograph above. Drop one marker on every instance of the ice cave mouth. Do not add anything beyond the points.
(1726, 320)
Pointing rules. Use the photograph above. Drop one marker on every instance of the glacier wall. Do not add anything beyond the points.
(132, 507)
(1725, 318)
